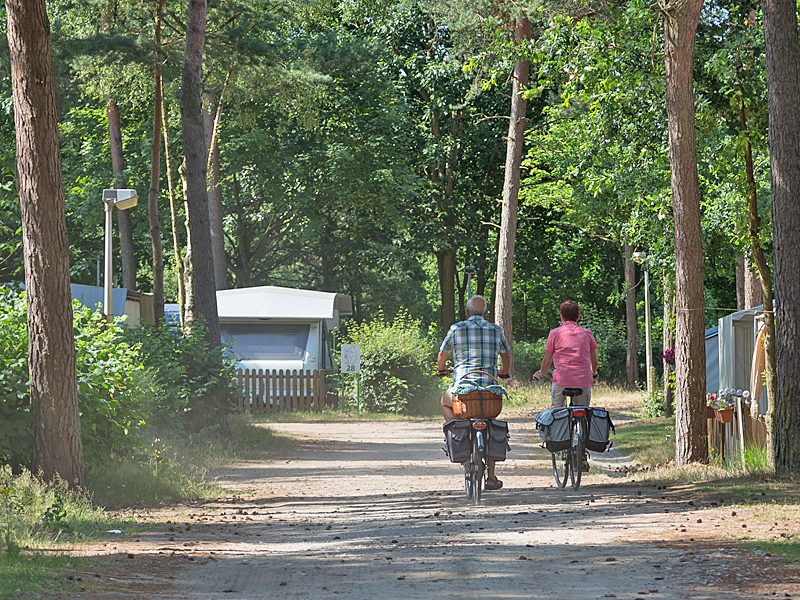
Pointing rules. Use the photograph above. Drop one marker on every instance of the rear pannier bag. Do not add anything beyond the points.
(553, 426)
(456, 439)
(498, 440)
(600, 426)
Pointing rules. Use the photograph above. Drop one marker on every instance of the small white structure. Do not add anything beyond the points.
(270, 327)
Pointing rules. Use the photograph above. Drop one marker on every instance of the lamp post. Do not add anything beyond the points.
(469, 271)
(122, 199)
(640, 258)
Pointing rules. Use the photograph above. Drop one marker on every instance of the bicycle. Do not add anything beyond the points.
(568, 463)
(477, 429)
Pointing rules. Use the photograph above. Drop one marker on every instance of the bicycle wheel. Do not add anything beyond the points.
(561, 465)
(576, 467)
(478, 466)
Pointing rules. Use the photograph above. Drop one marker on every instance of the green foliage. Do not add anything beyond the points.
(396, 365)
(127, 379)
(189, 383)
(527, 357)
(33, 512)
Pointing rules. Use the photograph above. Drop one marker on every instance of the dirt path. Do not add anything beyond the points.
(375, 510)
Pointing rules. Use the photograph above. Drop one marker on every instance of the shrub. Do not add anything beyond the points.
(191, 384)
(108, 397)
(396, 365)
(527, 357)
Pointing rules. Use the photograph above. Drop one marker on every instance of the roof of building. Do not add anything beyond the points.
(271, 302)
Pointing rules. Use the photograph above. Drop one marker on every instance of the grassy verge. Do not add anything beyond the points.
(30, 572)
(179, 470)
(650, 442)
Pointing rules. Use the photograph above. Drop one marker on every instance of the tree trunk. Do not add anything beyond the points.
(668, 343)
(51, 348)
(188, 283)
(632, 358)
(740, 268)
(447, 278)
(783, 85)
(173, 212)
(763, 274)
(508, 221)
(124, 222)
(215, 211)
(680, 24)
(155, 179)
(752, 288)
(203, 282)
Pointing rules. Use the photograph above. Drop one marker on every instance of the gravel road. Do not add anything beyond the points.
(375, 511)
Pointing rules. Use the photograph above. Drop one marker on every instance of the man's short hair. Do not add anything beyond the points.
(476, 305)
(570, 311)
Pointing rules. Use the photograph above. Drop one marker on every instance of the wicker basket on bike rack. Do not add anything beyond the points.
(479, 404)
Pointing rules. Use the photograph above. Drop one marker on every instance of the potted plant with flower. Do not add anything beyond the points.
(722, 407)
(710, 399)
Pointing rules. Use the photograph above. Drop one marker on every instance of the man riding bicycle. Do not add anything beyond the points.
(474, 344)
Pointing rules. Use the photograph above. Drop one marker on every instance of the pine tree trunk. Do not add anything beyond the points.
(632, 358)
(680, 25)
(124, 222)
(508, 220)
(51, 350)
(447, 276)
(173, 212)
(204, 306)
(155, 180)
(752, 288)
(783, 84)
(668, 342)
(740, 268)
(215, 210)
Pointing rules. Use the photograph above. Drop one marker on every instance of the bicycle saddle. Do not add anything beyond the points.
(570, 392)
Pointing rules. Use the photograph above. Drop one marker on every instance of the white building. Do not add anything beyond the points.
(270, 327)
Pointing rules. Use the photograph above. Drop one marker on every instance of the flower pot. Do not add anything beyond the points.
(709, 412)
(724, 416)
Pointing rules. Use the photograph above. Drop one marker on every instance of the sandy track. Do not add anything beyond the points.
(375, 510)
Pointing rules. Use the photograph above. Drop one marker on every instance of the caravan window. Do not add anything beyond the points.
(265, 341)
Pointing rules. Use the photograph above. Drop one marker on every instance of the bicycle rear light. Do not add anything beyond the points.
(479, 425)
(579, 412)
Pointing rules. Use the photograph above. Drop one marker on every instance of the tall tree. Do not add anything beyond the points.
(51, 350)
(155, 174)
(783, 85)
(211, 121)
(508, 223)
(203, 285)
(124, 222)
(680, 25)
(632, 324)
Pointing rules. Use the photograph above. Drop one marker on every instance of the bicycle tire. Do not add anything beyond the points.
(576, 468)
(478, 466)
(560, 459)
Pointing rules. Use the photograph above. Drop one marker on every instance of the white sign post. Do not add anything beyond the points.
(351, 364)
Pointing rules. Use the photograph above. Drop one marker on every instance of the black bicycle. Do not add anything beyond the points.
(473, 433)
(568, 463)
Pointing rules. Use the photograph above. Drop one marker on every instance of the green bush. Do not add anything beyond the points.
(191, 384)
(527, 357)
(397, 363)
(127, 379)
(108, 398)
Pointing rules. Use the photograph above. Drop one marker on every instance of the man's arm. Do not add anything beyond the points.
(441, 361)
(505, 362)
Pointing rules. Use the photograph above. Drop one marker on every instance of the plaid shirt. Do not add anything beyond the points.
(475, 344)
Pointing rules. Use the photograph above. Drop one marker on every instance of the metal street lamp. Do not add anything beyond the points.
(640, 258)
(469, 271)
(122, 199)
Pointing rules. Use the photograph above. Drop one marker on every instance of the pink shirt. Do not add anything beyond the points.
(571, 346)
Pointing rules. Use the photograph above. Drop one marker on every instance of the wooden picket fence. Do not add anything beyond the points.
(281, 391)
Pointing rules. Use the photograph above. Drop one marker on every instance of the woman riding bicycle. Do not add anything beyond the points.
(573, 351)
